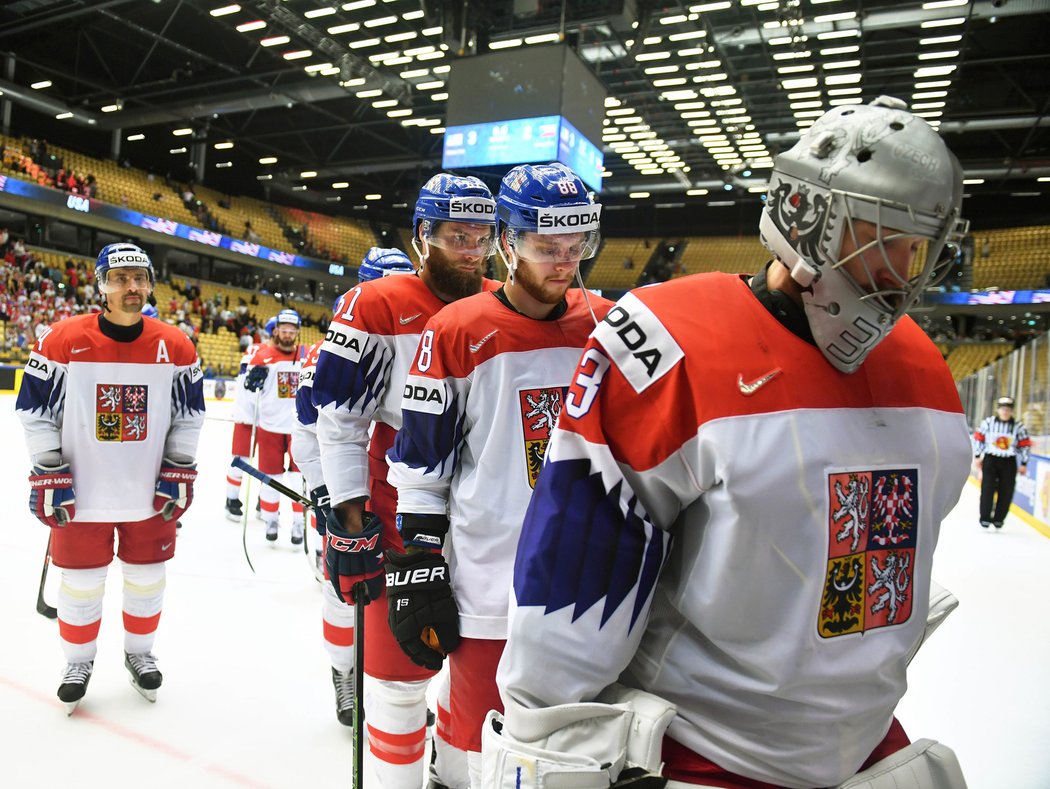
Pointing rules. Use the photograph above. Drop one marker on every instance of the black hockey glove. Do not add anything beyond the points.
(323, 510)
(637, 778)
(421, 609)
(256, 377)
(354, 558)
(422, 612)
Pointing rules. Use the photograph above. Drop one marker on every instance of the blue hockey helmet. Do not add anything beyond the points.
(379, 262)
(122, 255)
(547, 199)
(150, 311)
(270, 325)
(287, 316)
(453, 198)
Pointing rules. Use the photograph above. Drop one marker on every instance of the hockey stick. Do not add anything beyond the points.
(42, 607)
(247, 487)
(281, 488)
(358, 765)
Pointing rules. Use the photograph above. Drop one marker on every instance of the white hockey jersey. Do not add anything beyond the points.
(243, 400)
(481, 400)
(277, 397)
(305, 449)
(113, 409)
(804, 506)
(360, 374)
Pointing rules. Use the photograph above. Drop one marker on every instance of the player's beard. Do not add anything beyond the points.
(285, 345)
(449, 279)
(538, 287)
(132, 305)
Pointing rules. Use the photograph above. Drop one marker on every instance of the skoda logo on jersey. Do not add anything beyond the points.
(127, 259)
(424, 394)
(568, 219)
(472, 208)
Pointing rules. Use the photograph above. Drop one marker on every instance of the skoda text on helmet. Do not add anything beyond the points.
(450, 198)
(874, 163)
(379, 262)
(548, 199)
(288, 316)
(120, 255)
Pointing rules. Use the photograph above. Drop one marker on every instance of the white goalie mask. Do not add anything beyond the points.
(878, 164)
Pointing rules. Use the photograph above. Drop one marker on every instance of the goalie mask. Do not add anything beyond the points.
(451, 198)
(545, 200)
(863, 179)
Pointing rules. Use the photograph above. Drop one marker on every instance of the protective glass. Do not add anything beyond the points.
(551, 249)
(458, 241)
(118, 279)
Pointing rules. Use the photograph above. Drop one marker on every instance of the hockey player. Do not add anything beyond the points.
(761, 562)
(357, 387)
(274, 373)
(112, 407)
(483, 395)
(337, 616)
(1001, 445)
(245, 417)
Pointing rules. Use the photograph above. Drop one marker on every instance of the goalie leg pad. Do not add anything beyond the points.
(925, 764)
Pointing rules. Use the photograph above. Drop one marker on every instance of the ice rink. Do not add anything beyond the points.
(247, 699)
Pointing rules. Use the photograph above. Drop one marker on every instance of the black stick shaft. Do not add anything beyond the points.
(360, 595)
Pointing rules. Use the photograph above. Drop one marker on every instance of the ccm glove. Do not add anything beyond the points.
(354, 558)
(51, 496)
(174, 492)
(256, 377)
(323, 509)
(421, 610)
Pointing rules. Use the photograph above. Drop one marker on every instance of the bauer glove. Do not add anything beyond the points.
(51, 496)
(421, 610)
(352, 559)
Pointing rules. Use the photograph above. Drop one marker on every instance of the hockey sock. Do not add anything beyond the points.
(396, 725)
(80, 612)
(338, 619)
(270, 502)
(450, 763)
(234, 475)
(294, 480)
(143, 598)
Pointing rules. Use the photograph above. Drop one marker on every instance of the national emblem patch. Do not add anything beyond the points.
(121, 412)
(872, 530)
(540, 409)
(287, 384)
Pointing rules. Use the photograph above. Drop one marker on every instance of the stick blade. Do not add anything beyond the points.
(44, 609)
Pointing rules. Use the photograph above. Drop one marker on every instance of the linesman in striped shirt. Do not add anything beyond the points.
(1001, 445)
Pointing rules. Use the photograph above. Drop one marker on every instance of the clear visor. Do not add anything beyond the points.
(468, 243)
(554, 248)
(895, 253)
(117, 279)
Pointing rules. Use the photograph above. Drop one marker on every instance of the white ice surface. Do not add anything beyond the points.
(247, 699)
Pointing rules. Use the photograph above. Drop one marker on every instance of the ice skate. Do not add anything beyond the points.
(74, 684)
(234, 512)
(297, 534)
(271, 531)
(344, 695)
(144, 675)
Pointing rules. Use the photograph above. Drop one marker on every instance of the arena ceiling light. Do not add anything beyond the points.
(268, 160)
(340, 185)
(395, 37)
(44, 83)
(363, 42)
(274, 41)
(315, 13)
(955, 20)
(224, 10)
(704, 8)
(247, 27)
(687, 36)
(182, 132)
(135, 137)
(111, 108)
(354, 6)
(298, 54)
(349, 27)
(223, 146)
(308, 174)
(380, 21)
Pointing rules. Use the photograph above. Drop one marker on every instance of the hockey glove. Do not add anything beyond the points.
(323, 510)
(51, 496)
(354, 558)
(174, 492)
(422, 612)
(256, 377)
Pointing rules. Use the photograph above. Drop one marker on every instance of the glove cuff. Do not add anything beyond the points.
(422, 532)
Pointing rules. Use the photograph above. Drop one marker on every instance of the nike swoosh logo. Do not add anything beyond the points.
(476, 346)
(80, 350)
(409, 319)
(165, 547)
(750, 388)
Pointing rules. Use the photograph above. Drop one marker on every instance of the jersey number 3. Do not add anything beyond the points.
(589, 374)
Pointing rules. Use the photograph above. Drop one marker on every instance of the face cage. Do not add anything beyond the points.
(940, 252)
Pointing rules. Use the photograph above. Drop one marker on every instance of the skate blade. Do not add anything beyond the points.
(71, 706)
(148, 695)
(235, 518)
